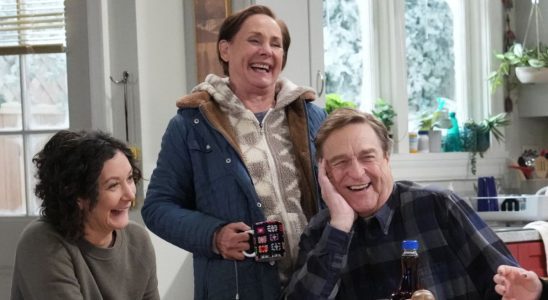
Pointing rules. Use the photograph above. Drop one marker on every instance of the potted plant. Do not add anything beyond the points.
(384, 111)
(529, 65)
(475, 136)
(431, 121)
(334, 101)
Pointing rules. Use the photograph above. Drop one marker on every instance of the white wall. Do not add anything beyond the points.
(162, 80)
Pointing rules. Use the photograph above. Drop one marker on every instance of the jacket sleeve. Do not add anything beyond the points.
(322, 257)
(169, 210)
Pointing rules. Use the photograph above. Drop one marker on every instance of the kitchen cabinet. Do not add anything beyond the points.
(530, 255)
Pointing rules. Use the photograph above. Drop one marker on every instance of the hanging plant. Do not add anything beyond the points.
(529, 65)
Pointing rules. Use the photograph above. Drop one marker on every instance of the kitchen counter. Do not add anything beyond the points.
(517, 234)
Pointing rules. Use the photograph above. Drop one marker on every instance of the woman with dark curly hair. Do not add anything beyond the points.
(84, 246)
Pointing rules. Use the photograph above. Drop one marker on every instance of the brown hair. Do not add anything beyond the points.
(345, 116)
(233, 23)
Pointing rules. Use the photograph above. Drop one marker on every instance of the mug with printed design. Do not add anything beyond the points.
(266, 240)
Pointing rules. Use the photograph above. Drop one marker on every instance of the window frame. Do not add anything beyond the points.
(27, 132)
(388, 32)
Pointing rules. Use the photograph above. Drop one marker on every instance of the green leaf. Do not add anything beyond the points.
(384, 112)
(335, 101)
(517, 49)
(536, 63)
(500, 56)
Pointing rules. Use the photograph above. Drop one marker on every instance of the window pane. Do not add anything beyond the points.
(32, 22)
(35, 143)
(343, 49)
(430, 56)
(10, 93)
(12, 176)
(46, 90)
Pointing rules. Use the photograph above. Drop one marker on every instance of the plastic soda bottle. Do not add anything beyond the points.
(409, 263)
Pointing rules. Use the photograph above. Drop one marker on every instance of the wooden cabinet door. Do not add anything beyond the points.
(530, 255)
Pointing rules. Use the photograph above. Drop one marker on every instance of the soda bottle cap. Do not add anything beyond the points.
(410, 245)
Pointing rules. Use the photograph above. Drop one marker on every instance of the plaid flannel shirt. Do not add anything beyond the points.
(458, 252)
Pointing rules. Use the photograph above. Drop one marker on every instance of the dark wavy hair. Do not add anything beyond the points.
(68, 169)
(233, 23)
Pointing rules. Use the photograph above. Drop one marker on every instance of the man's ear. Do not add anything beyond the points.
(223, 50)
(328, 170)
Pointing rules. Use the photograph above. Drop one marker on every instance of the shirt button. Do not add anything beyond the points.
(208, 147)
(259, 204)
(228, 160)
(196, 121)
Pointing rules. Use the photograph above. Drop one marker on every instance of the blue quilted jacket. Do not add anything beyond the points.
(200, 183)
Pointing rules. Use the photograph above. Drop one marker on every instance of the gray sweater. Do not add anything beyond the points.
(49, 267)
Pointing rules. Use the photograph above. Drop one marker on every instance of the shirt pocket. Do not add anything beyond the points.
(217, 190)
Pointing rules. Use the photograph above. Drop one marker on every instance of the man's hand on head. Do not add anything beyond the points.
(342, 214)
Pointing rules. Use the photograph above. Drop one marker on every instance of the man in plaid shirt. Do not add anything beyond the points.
(352, 250)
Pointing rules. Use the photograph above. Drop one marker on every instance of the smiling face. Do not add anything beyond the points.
(255, 54)
(358, 168)
(116, 191)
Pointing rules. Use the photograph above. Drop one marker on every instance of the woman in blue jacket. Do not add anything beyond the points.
(238, 151)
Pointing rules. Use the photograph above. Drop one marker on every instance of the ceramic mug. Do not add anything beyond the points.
(266, 240)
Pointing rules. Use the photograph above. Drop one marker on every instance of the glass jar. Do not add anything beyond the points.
(424, 142)
(413, 142)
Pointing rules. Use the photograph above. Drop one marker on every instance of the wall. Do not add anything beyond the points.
(161, 55)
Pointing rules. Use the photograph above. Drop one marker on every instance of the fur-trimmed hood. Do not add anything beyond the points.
(216, 87)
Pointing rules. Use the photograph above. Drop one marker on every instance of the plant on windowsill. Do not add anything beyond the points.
(384, 111)
(437, 119)
(475, 136)
(334, 101)
(431, 122)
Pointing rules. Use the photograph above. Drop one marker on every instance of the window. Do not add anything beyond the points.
(33, 94)
(430, 45)
(410, 53)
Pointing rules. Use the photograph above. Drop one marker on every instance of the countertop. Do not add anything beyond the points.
(517, 234)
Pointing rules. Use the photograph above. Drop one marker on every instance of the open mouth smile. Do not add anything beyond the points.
(117, 212)
(357, 188)
(264, 68)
